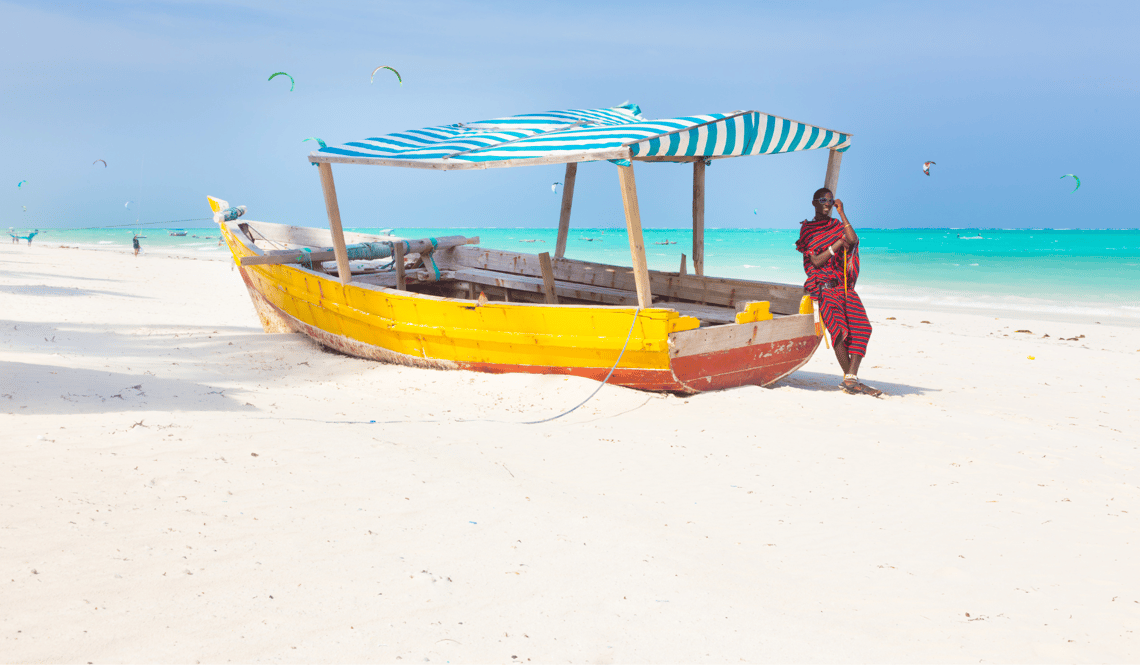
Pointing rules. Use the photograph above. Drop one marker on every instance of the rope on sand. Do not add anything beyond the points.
(572, 409)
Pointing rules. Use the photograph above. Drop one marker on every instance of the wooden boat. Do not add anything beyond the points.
(448, 303)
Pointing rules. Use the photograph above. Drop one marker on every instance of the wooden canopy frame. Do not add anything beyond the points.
(629, 201)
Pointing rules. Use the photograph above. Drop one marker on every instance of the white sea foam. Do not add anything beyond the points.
(1048, 309)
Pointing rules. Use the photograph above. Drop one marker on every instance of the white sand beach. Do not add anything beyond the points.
(178, 486)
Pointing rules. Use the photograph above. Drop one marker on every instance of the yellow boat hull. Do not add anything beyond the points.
(659, 348)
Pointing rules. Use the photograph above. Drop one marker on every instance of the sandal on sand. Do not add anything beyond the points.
(853, 387)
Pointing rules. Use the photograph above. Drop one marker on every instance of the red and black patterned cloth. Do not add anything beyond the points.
(840, 307)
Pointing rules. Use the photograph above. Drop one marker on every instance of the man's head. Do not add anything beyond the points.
(823, 200)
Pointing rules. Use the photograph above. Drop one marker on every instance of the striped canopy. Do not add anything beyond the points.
(578, 135)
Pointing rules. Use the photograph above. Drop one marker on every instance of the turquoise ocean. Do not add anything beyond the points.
(1066, 274)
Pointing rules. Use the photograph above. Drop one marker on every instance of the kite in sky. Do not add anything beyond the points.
(291, 82)
(127, 205)
(398, 77)
(21, 183)
(554, 187)
(754, 212)
(1070, 175)
(319, 141)
(99, 160)
(926, 167)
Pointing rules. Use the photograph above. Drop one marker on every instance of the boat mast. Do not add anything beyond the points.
(564, 217)
(699, 217)
(633, 227)
(831, 180)
(329, 189)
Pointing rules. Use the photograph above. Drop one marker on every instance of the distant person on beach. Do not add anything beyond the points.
(135, 241)
(31, 235)
(831, 261)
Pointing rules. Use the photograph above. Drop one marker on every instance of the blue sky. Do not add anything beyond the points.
(1005, 97)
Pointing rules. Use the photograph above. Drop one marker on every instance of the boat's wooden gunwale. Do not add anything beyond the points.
(719, 338)
(305, 236)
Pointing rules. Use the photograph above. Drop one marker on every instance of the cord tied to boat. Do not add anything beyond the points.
(429, 257)
(229, 214)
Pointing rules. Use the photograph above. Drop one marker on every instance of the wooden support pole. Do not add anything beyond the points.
(564, 216)
(636, 243)
(699, 217)
(398, 259)
(333, 210)
(547, 278)
(831, 180)
(683, 270)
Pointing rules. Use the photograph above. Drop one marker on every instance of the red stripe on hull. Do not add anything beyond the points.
(753, 365)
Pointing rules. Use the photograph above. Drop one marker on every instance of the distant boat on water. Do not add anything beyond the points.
(177, 232)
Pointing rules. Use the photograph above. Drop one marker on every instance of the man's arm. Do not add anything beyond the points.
(849, 234)
(819, 259)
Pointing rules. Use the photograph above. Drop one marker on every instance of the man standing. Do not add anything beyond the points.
(135, 241)
(831, 260)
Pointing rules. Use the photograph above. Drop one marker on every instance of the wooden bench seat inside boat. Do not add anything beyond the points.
(670, 287)
(708, 314)
(562, 289)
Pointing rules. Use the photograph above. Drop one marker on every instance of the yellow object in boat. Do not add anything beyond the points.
(753, 312)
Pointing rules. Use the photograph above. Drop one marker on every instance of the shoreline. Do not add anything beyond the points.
(888, 296)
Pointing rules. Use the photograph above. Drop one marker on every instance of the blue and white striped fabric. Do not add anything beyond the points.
(577, 135)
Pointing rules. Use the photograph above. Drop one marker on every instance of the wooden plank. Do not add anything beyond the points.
(721, 338)
(831, 180)
(699, 217)
(785, 298)
(419, 246)
(570, 290)
(547, 278)
(567, 200)
(333, 209)
(706, 313)
(389, 279)
(303, 236)
(683, 270)
(671, 159)
(582, 156)
(636, 242)
(398, 259)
